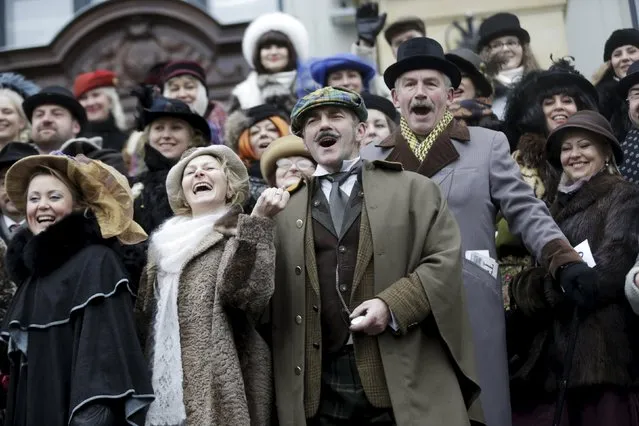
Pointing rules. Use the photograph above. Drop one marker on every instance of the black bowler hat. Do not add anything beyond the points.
(382, 104)
(55, 95)
(14, 151)
(499, 25)
(421, 53)
(631, 78)
(470, 63)
(174, 108)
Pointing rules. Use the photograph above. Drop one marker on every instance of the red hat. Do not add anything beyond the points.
(92, 80)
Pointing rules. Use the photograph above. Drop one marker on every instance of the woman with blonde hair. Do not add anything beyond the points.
(70, 330)
(96, 92)
(170, 128)
(209, 279)
(14, 89)
(505, 48)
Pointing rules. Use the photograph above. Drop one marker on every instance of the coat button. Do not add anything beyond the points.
(298, 319)
(316, 203)
(342, 249)
(298, 370)
(316, 345)
(343, 288)
(299, 223)
(298, 270)
(316, 308)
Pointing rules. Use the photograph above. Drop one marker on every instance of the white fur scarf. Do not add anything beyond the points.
(172, 246)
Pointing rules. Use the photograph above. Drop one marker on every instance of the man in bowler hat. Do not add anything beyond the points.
(369, 314)
(479, 178)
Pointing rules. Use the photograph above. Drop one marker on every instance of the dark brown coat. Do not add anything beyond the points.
(605, 211)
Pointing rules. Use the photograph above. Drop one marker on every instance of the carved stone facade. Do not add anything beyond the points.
(130, 36)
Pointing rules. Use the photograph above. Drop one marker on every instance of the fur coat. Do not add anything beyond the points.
(224, 288)
(604, 211)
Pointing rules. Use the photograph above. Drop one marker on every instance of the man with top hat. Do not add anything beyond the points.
(479, 178)
(629, 90)
(56, 120)
(11, 219)
(369, 321)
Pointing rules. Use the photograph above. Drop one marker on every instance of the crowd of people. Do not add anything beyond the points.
(453, 240)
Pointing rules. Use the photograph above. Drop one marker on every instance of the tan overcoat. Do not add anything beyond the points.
(412, 238)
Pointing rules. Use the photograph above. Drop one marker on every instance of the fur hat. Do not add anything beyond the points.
(224, 153)
(19, 84)
(524, 113)
(618, 38)
(276, 21)
(104, 189)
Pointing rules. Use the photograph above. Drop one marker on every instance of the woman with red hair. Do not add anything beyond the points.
(249, 133)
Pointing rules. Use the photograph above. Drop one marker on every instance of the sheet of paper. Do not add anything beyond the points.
(482, 259)
(583, 249)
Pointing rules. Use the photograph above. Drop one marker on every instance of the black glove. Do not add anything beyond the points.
(579, 282)
(369, 22)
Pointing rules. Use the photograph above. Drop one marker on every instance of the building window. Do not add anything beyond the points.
(34, 22)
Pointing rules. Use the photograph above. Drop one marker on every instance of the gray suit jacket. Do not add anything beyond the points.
(476, 173)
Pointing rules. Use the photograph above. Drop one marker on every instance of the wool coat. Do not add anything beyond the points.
(479, 178)
(411, 241)
(224, 289)
(604, 212)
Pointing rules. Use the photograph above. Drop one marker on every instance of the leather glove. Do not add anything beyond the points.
(579, 282)
(369, 22)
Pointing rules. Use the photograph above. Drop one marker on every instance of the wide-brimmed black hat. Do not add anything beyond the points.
(470, 63)
(174, 108)
(421, 53)
(631, 78)
(15, 151)
(499, 25)
(559, 75)
(55, 95)
(591, 121)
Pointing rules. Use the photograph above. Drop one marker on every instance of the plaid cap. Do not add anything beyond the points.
(327, 96)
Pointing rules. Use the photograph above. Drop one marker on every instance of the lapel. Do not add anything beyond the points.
(309, 239)
(364, 249)
(320, 210)
(441, 154)
(354, 207)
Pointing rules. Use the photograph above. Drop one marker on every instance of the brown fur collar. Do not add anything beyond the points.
(593, 190)
(532, 150)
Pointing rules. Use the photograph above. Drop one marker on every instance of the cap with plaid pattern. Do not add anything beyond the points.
(327, 96)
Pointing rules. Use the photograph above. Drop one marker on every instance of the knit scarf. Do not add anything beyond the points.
(509, 77)
(420, 149)
(172, 245)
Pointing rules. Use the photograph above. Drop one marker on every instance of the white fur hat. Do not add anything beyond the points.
(276, 21)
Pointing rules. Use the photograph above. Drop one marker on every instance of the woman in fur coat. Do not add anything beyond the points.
(596, 204)
(209, 278)
(275, 45)
(74, 354)
(620, 51)
(541, 102)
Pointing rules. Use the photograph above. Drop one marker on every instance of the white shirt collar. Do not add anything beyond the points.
(8, 221)
(346, 166)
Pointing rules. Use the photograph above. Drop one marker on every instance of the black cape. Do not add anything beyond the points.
(70, 328)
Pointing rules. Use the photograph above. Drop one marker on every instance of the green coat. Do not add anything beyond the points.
(428, 364)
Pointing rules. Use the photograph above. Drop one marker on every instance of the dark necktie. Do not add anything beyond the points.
(338, 199)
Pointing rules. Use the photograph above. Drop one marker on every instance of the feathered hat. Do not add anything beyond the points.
(19, 84)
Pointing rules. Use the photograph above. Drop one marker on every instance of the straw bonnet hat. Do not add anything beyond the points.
(104, 189)
(286, 146)
(223, 152)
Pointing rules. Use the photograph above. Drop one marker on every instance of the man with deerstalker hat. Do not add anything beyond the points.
(368, 292)
(479, 178)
